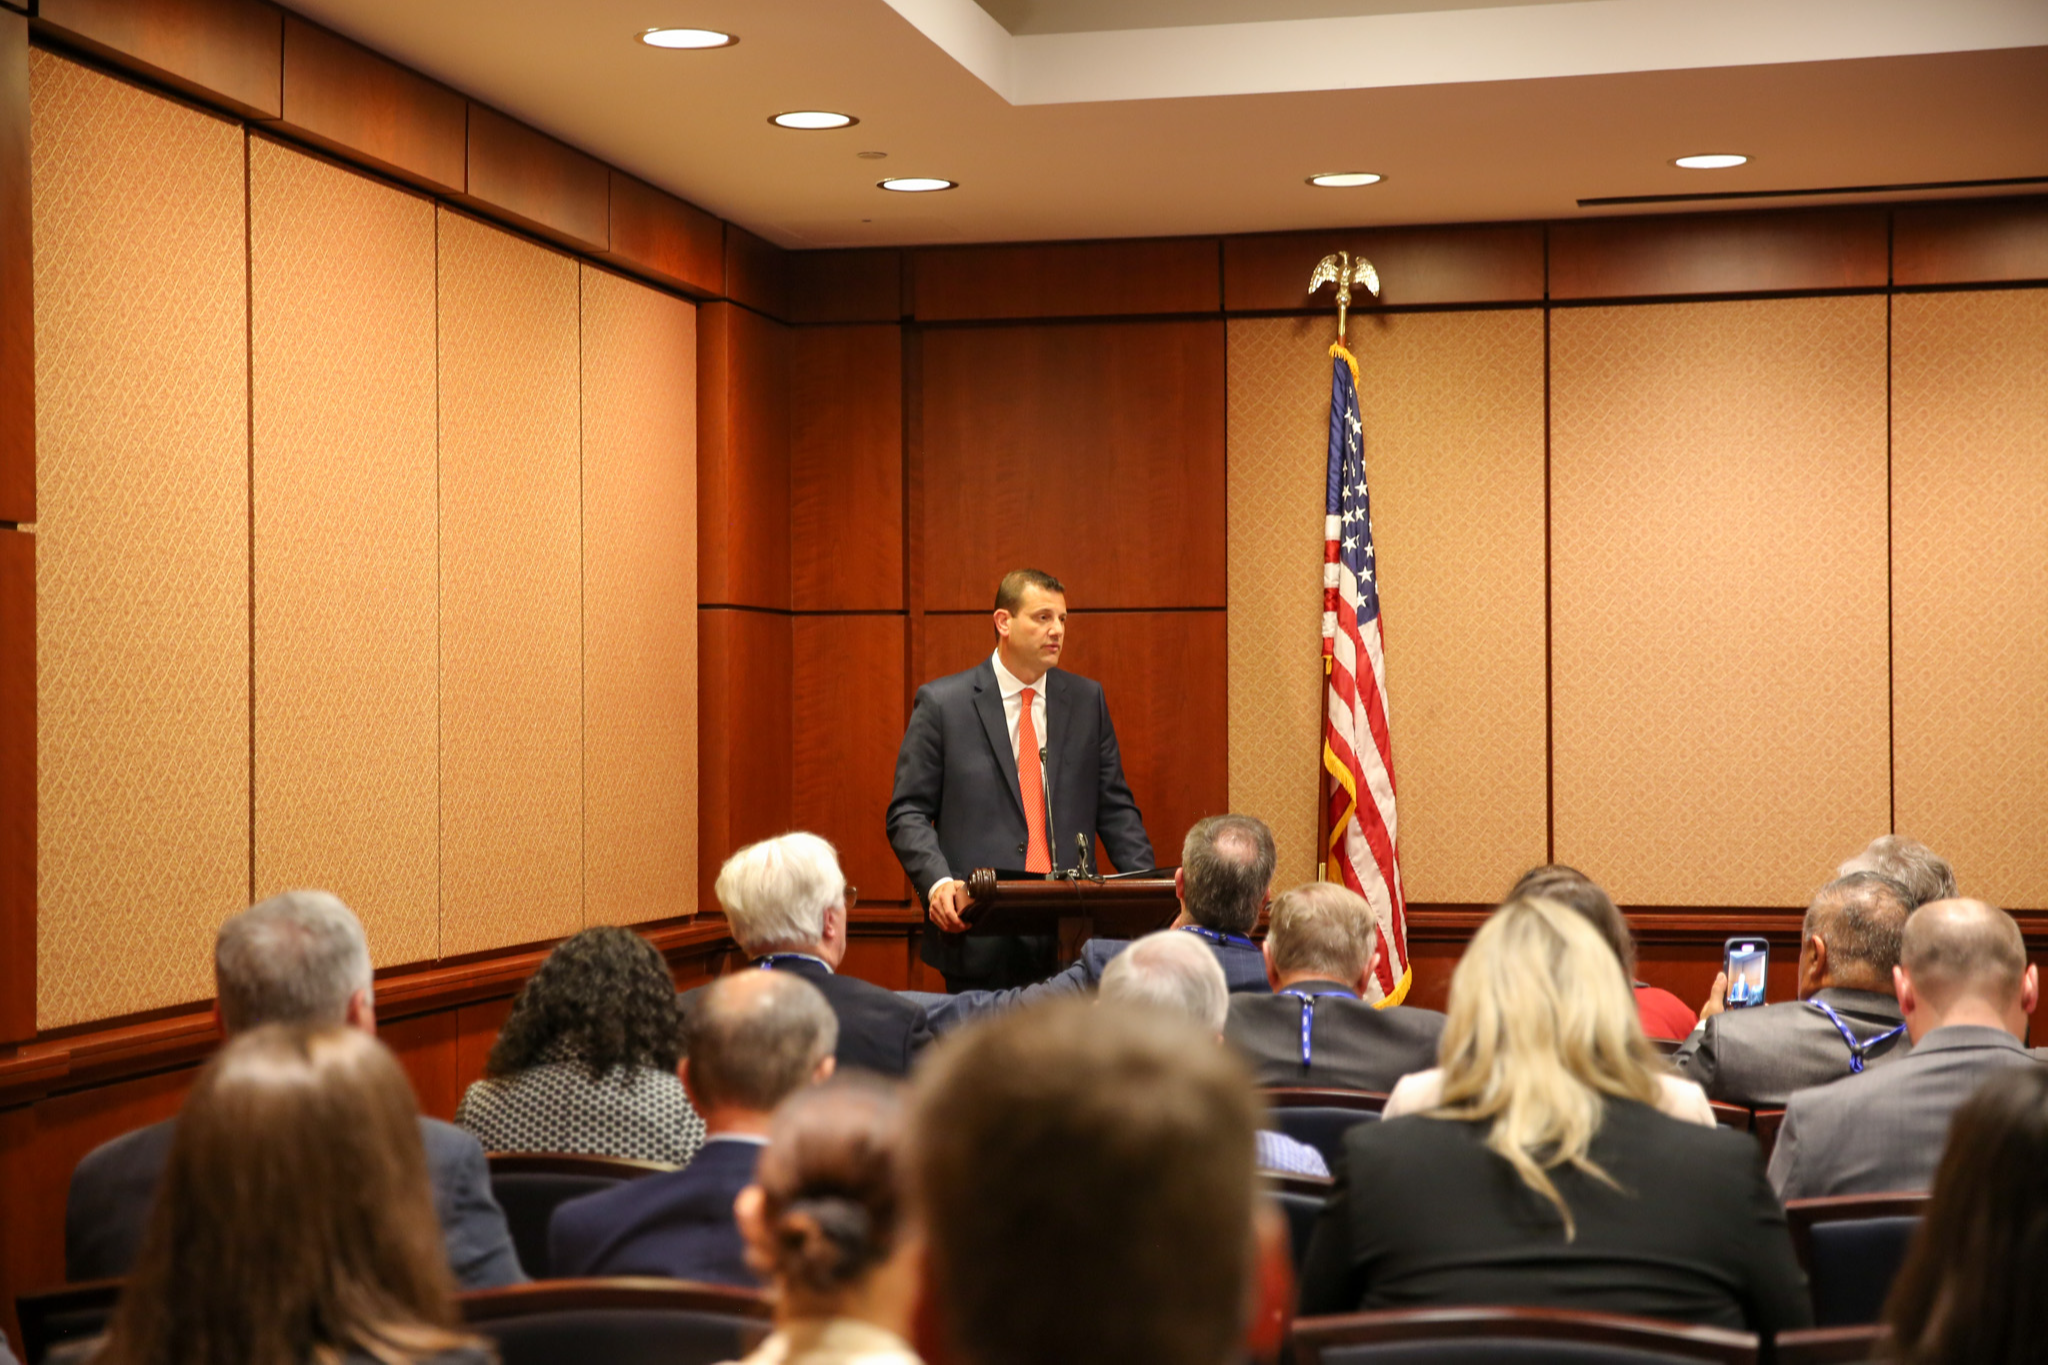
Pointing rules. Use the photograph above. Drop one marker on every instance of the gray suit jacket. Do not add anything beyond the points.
(1760, 1056)
(1883, 1131)
(1352, 1046)
(1244, 969)
(114, 1186)
(957, 806)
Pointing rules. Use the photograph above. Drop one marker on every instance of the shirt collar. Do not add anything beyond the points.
(754, 1139)
(1317, 986)
(1008, 684)
(775, 960)
(1869, 1004)
(1966, 1035)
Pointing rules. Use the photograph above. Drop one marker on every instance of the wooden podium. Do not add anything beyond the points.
(1076, 910)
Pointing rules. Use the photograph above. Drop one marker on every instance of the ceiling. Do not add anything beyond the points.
(1193, 118)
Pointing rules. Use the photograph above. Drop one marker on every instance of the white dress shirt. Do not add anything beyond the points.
(1012, 689)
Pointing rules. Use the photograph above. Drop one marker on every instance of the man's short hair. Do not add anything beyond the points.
(1324, 928)
(1861, 918)
(753, 1038)
(1226, 869)
(1096, 1160)
(1010, 592)
(776, 893)
(1954, 948)
(296, 958)
(1173, 971)
(1924, 873)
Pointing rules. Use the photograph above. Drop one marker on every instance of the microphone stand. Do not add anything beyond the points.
(1052, 844)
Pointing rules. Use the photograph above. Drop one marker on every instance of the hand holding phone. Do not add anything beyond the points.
(1747, 963)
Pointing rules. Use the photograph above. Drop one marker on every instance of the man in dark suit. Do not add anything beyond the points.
(1316, 1029)
(787, 900)
(1966, 989)
(297, 958)
(1225, 875)
(964, 800)
(1846, 1018)
(753, 1039)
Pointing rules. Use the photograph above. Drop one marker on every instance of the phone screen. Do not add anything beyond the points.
(1748, 961)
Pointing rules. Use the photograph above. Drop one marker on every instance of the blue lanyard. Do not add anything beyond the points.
(774, 960)
(1308, 1014)
(1219, 938)
(1856, 1049)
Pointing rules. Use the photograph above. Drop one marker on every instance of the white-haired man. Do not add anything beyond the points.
(1316, 1028)
(1924, 873)
(787, 902)
(297, 958)
(1176, 973)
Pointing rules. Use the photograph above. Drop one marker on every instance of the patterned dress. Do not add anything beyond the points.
(554, 1106)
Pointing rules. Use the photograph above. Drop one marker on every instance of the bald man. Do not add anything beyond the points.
(1965, 988)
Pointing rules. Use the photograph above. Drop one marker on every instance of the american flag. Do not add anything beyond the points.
(1358, 752)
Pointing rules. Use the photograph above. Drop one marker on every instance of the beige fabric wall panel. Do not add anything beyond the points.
(1970, 584)
(1718, 599)
(639, 602)
(342, 333)
(1453, 410)
(142, 627)
(511, 590)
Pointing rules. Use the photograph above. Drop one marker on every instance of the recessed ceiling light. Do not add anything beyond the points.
(813, 120)
(1344, 180)
(915, 184)
(1716, 161)
(687, 38)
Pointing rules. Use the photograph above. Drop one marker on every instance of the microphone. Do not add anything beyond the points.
(1052, 844)
(1084, 859)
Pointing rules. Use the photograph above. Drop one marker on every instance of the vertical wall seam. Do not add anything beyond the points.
(582, 624)
(440, 823)
(249, 470)
(1549, 642)
(1891, 629)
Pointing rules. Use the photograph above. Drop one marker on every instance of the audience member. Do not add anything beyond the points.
(1225, 875)
(294, 1221)
(1316, 1029)
(1084, 1181)
(1970, 1290)
(1846, 1018)
(587, 1062)
(1966, 990)
(1924, 873)
(825, 1227)
(753, 1039)
(1663, 1014)
(1540, 1171)
(787, 901)
(297, 958)
(1173, 972)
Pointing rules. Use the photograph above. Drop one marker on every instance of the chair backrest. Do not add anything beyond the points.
(74, 1312)
(1311, 1097)
(1667, 1046)
(1511, 1336)
(1730, 1115)
(1765, 1123)
(1301, 1199)
(1320, 1118)
(529, 1186)
(619, 1321)
(1852, 1246)
(1830, 1345)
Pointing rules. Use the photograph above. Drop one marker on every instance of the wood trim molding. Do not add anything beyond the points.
(114, 1050)
(1974, 242)
(662, 237)
(229, 53)
(17, 282)
(344, 98)
(17, 786)
(1792, 251)
(547, 187)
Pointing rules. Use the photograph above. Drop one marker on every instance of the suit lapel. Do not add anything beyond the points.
(1059, 719)
(988, 702)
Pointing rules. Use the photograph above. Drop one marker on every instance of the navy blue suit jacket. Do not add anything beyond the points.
(113, 1188)
(678, 1224)
(879, 1030)
(957, 805)
(1244, 969)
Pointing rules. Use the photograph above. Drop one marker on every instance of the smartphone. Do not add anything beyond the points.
(1748, 964)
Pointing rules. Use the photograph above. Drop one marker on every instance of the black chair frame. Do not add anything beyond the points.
(1313, 1336)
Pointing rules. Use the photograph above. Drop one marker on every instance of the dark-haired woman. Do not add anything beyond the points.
(1970, 1290)
(1662, 1014)
(294, 1223)
(824, 1224)
(587, 1062)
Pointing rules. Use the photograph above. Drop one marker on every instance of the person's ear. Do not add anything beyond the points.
(748, 1211)
(1180, 883)
(1002, 619)
(823, 1072)
(362, 1011)
(1816, 964)
(1902, 987)
(1266, 955)
(1372, 967)
(2030, 989)
(1272, 1287)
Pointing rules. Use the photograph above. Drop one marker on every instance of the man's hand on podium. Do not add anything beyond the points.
(947, 902)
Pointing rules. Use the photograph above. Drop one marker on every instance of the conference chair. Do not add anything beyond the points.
(1511, 1336)
(73, 1312)
(1667, 1047)
(624, 1321)
(1320, 1118)
(1731, 1115)
(1301, 1199)
(1830, 1345)
(530, 1185)
(1851, 1247)
(1765, 1123)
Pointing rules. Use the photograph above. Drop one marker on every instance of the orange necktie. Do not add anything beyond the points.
(1031, 785)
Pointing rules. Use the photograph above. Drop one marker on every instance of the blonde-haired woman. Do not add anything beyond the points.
(1541, 1163)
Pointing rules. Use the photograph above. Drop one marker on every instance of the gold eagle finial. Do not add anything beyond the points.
(1339, 269)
